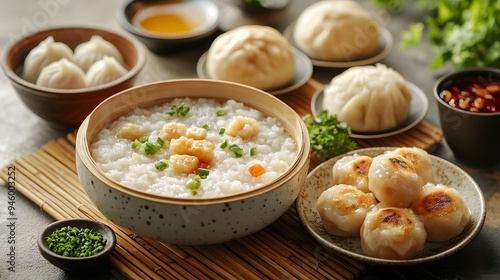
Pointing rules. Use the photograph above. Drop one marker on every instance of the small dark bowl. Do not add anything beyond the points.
(66, 109)
(161, 43)
(473, 137)
(77, 264)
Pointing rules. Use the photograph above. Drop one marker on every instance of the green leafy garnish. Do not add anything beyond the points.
(180, 109)
(203, 173)
(237, 151)
(329, 137)
(153, 148)
(221, 113)
(161, 165)
(463, 32)
(138, 142)
(194, 184)
(224, 144)
(253, 151)
(205, 126)
(222, 130)
(75, 242)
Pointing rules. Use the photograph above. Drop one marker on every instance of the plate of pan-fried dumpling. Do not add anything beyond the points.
(339, 34)
(391, 206)
(257, 56)
(373, 100)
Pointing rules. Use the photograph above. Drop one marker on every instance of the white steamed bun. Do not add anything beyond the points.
(42, 55)
(95, 49)
(368, 98)
(254, 55)
(337, 30)
(62, 74)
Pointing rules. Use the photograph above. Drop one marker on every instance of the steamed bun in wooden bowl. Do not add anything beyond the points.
(337, 30)
(369, 98)
(254, 55)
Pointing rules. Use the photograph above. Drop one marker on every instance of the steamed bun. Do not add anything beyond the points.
(254, 55)
(368, 98)
(337, 30)
(45, 53)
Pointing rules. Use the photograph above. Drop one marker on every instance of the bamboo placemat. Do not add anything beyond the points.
(283, 250)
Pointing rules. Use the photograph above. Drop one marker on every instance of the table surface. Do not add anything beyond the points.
(21, 132)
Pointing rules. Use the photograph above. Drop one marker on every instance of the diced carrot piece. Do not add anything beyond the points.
(256, 170)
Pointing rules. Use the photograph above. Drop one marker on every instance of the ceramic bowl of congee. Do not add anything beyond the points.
(192, 161)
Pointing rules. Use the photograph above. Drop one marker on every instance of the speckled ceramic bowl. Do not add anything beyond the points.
(445, 173)
(191, 221)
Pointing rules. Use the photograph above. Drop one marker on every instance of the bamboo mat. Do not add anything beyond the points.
(283, 250)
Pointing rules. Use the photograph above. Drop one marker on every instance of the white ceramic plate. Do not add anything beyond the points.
(418, 109)
(386, 42)
(445, 172)
(303, 72)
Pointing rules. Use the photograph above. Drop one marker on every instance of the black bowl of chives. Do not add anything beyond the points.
(76, 245)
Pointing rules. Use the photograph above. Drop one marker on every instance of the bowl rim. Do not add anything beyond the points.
(108, 248)
(208, 29)
(14, 77)
(482, 71)
(84, 155)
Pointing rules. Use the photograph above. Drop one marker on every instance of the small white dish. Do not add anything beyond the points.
(386, 43)
(303, 72)
(418, 109)
(445, 172)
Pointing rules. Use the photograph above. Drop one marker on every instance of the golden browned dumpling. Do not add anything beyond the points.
(392, 233)
(421, 162)
(442, 210)
(352, 170)
(343, 208)
(393, 180)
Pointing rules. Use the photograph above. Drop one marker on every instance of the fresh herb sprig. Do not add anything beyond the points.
(329, 137)
(464, 32)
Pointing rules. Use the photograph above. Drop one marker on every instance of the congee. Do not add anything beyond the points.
(194, 147)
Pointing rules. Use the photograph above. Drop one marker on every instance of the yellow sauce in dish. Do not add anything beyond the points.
(168, 24)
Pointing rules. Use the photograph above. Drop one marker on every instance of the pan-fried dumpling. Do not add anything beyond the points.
(421, 160)
(62, 74)
(393, 180)
(254, 55)
(392, 233)
(343, 209)
(337, 30)
(104, 71)
(352, 170)
(95, 49)
(368, 98)
(442, 210)
(42, 55)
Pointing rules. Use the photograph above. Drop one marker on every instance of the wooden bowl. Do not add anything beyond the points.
(66, 109)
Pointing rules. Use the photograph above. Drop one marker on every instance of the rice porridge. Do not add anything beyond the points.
(194, 148)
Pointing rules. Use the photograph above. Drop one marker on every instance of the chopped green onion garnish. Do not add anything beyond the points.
(75, 242)
(194, 184)
(205, 126)
(238, 152)
(221, 113)
(222, 130)
(161, 165)
(203, 173)
(253, 151)
(181, 109)
(136, 144)
(224, 144)
(153, 148)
